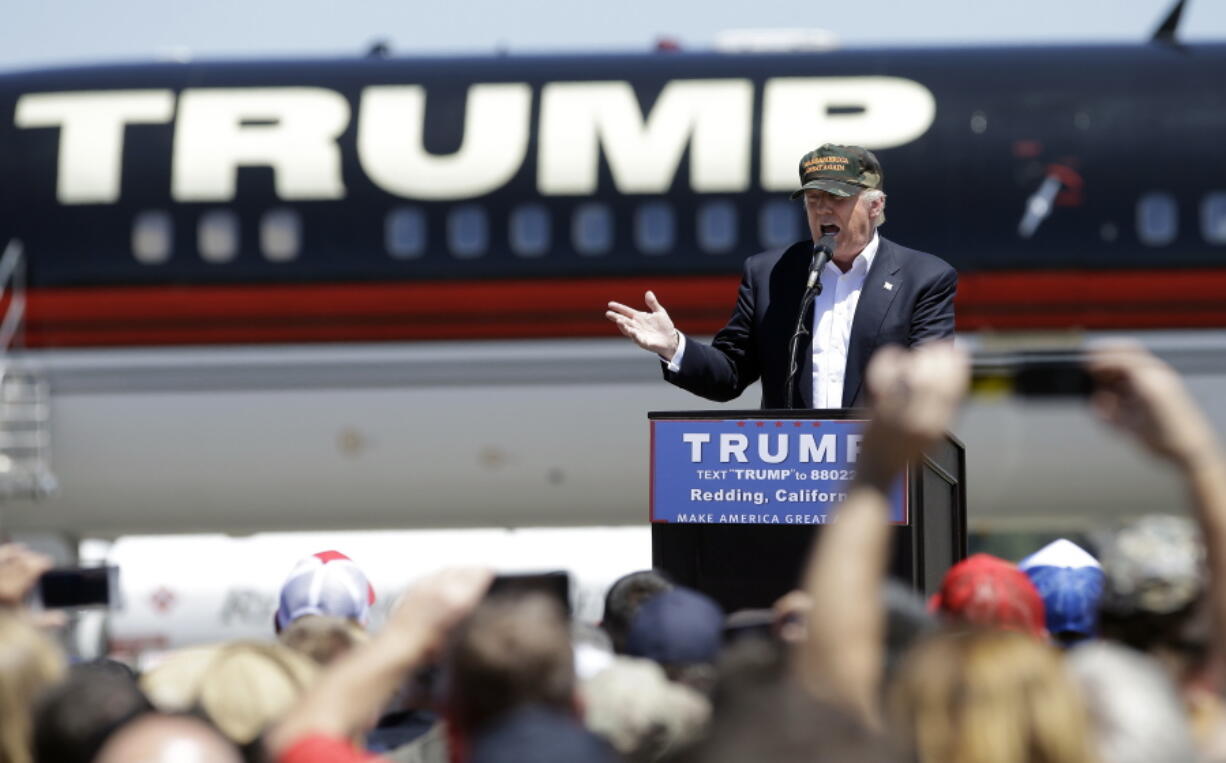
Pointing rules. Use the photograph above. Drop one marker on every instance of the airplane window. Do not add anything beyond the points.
(152, 237)
(1157, 218)
(1213, 217)
(592, 230)
(217, 236)
(717, 226)
(281, 235)
(654, 228)
(467, 231)
(530, 230)
(778, 223)
(404, 233)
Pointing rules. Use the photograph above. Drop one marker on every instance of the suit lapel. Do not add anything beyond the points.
(794, 268)
(875, 301)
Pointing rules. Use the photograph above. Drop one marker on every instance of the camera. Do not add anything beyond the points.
(76, 587)
(555, 585)
(1032, 373)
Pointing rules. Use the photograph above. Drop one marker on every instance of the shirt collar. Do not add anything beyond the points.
(863, 261)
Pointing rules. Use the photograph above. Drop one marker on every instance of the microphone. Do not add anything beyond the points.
(823, 250)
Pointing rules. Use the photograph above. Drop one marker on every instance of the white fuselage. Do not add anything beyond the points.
(497, 434)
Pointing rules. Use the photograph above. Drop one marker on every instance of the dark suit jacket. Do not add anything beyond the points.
(918, 307)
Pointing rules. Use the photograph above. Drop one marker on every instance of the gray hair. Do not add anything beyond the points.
(869, 197)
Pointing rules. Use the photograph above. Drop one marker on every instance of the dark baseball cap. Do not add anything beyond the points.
(677, 627)
(839, 170)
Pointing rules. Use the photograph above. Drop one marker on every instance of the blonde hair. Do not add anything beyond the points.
(323, 638)
(29, 664)
(990, 696)
(242, 686)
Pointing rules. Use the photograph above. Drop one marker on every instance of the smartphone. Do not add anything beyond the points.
(553, 584)
(1032, 374)
(75, 587)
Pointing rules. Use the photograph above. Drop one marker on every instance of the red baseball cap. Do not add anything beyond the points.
(987, 590)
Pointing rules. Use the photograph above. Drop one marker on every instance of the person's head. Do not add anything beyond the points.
(988, 591)
(762, 712)
(683, 631)
(645, 716)
(76, 717)
(241, 687)
(29, 665)
(1155, 582)
(322, 638)
(158, 738)
(1070, 581)
(623, 600)
(513, 650)
(989, 696)
(1134, 708)
(842, 191)
(327, 583)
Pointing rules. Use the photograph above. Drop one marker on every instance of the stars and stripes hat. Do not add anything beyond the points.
(1071, 583)
(327, 583)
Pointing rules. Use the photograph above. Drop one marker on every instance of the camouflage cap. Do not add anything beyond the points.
(839, 170)
(1154, 564)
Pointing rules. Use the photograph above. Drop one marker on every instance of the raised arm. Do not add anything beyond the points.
(1143, 396)
(351, 692)
(915, 395)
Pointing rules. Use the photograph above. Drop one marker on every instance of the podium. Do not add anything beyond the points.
(750, 565)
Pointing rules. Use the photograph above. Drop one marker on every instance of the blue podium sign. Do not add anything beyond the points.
(757, 471)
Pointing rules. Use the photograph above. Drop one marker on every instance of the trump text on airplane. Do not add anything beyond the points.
(298, 133)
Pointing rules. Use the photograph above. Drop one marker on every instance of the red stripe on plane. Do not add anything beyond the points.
(565, 308)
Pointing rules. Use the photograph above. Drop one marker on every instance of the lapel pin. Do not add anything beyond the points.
(888, 286)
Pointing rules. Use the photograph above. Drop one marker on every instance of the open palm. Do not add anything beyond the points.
(652, 330)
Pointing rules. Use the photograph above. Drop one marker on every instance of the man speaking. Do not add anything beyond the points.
(873, 292)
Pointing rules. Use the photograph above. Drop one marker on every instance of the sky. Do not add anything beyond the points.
(53, 32)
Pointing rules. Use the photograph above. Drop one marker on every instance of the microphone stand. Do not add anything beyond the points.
(823, 250)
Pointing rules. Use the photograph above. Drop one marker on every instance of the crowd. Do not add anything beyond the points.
(1109, 653)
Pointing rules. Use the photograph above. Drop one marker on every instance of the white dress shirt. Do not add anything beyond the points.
(833, 313)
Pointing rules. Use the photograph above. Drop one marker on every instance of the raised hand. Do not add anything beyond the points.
(20, 569)
(652, 330)
(354, 689)
(915, 395)
(1143, 396)
(429, 609)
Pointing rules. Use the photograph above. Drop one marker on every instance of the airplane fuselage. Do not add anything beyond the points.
(367, 293)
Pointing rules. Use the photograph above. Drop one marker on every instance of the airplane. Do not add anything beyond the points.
(368, 293)
(179, 590)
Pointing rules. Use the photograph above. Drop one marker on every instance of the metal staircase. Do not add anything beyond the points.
(25, 395)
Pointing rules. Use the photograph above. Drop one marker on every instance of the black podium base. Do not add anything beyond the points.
(748, 566)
